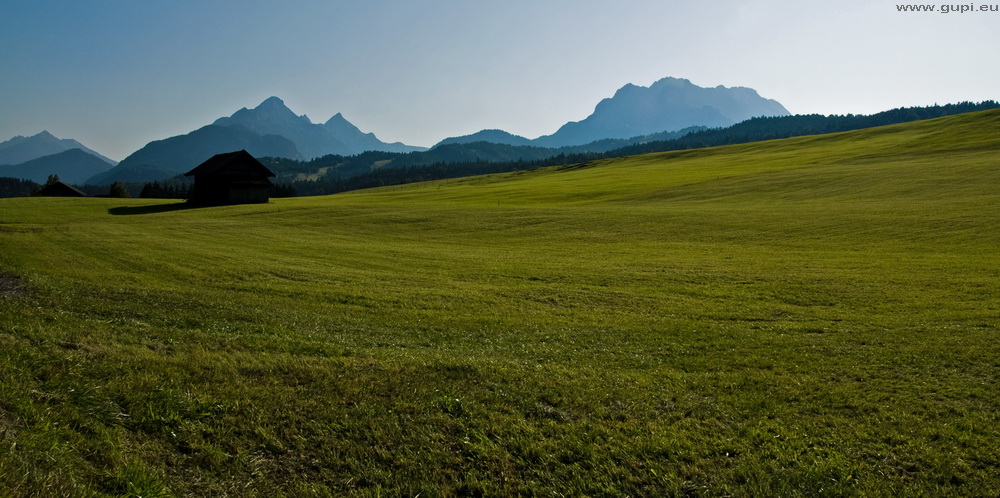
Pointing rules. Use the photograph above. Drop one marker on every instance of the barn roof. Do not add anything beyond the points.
(60, 189)
(239, 162)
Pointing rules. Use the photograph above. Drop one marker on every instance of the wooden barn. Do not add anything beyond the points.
(231, 178)
(60, 189)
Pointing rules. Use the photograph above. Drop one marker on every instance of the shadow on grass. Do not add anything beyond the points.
(10, 285)
(156, 208)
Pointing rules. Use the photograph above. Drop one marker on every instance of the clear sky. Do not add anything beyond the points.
(116, 74)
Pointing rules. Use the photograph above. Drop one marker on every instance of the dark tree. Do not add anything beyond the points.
(17, 187)
(118, 190)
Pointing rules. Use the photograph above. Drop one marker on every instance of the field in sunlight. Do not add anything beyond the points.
(808, 316)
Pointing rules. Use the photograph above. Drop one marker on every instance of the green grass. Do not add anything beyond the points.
(812, 316)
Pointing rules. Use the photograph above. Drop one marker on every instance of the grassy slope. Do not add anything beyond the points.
(807, 316)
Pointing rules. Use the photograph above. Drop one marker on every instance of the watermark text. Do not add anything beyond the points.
(949, 8)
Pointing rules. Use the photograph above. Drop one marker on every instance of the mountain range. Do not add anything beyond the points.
(269, 130)
(669, 104)
(336, 136)
(665, 110)
(72, 166)
(21, 149)
(38, 156)
(176, 155)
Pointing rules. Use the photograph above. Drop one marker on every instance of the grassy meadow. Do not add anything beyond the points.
(811, 316)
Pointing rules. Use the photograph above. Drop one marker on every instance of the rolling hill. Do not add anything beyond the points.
(177, 155)
(72, 166)
(807, 316)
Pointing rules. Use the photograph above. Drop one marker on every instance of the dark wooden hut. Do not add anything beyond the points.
(231, 178)
(60, 189)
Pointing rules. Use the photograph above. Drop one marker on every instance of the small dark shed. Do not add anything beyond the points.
(60, 189)
(231, 178)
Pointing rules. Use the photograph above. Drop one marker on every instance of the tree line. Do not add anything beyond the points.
(18, 187)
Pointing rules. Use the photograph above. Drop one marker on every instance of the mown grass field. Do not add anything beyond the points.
(812, 316)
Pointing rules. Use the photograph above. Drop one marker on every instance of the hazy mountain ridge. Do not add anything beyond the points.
(72, 166)
(358, 141)
(21, 149)
(270, 129)
(488, 146)
(336, 136)
(634, 112)
(666, 105)
(272, 117)
(669, 104)
(176, 155)
(491, 136)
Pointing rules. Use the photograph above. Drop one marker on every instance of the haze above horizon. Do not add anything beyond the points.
(117, 74)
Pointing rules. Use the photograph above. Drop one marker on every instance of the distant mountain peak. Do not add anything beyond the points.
(72, 165)
(21, 149)
(669, 104)
(42, 135)
(671, 81)
(337, 119)
(358, 141)
(270, 129)
(272, 102)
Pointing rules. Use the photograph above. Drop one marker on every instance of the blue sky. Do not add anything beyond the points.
(117, 74)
